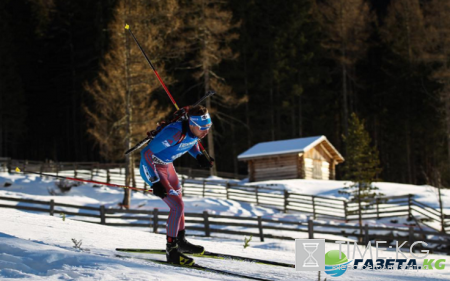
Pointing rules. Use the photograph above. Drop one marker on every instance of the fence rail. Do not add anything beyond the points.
(320, 206)
(205, 224)
(87, 168)
(286, 201)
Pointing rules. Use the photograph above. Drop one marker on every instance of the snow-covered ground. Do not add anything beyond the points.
(35, 187)
(40, 247)
(37, 247)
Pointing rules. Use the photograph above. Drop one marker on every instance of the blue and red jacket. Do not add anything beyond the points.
(165, 148)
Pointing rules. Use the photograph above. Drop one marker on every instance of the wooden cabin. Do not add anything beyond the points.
(303, 158)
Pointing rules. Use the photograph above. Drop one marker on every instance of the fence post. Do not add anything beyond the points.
(204, 187)
(52, 207)
(41, 169)
(261, 234)
(366, 234)
(257, 195)
(345, 210)
(310, 229)
(314, 206)
(155, 220)
(227, 187)
(411, 235)
(108, 176)
(409, 206)
(102, 214)
(183, 180)
(378, 208)
(206, 221)
(286, 195)
(8, 165)
(92, 172)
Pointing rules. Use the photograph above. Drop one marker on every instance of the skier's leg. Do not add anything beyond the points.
(183, 244)
(174, 200)
(176, 205)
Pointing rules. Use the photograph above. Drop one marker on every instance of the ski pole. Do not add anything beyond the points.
(83, 180)
(141, 143)
(127, 27)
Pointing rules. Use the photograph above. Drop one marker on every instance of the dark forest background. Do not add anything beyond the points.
(282, 69)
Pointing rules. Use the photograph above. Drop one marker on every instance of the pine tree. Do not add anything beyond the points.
(124, 107)
(346, 24)
(208, 32)
(362, 165)
(437, 53)
(403, 31)
(12, 103)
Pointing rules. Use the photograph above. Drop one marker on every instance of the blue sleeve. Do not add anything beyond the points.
(163, 139)
(195, 150)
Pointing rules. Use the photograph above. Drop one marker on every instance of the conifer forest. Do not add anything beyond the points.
(74, 85)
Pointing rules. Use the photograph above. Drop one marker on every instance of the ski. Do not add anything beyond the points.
(196, 267)
(207, 254)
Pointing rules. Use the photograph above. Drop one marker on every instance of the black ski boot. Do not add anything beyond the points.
(185, 247)
(174, 256)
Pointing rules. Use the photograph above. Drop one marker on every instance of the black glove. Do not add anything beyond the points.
(204, 162)
(180, 113)
(159, 190)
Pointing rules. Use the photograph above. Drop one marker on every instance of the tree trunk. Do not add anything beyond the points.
(293, 120)
(128, 161)
(360, 212)
(441, 207)
(233, 149)
(278, 113)
(249, 129)
(272, 113)
(408, 151)
(213, 170)
(75, 122)
(300, 117)
(344, 98)
(446, 98)
(247, 104)
(1, 127)
(344, 77)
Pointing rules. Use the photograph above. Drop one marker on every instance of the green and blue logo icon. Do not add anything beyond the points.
(335, 263)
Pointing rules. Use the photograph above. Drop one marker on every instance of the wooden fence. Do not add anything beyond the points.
(89, 168)
(320, 206)
(205, 224)
(286, 201)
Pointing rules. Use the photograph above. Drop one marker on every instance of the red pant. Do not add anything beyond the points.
(169, 180)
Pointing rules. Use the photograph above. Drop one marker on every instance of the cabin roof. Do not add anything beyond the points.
(291, 146)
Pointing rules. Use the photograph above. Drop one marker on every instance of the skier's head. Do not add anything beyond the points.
(199, 121)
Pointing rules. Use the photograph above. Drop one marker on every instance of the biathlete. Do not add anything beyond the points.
(157, 169)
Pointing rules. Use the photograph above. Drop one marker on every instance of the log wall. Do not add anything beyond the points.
(278, 167)
(317, 163)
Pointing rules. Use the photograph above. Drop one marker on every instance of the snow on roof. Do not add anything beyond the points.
(281, 147)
